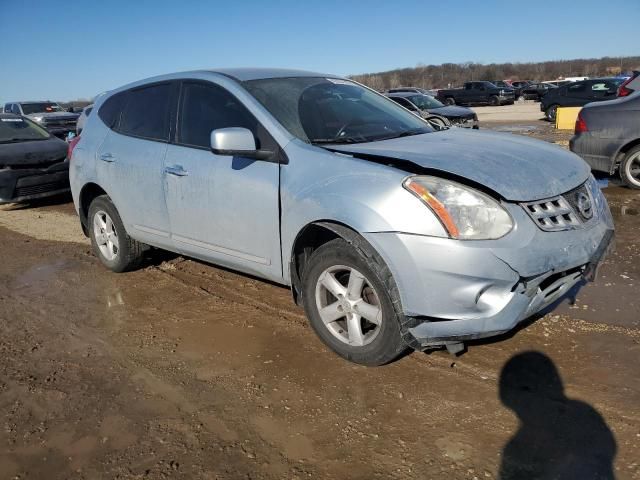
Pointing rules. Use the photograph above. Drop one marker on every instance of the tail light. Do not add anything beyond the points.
(623, 91)
(581, 125)
(72, 144)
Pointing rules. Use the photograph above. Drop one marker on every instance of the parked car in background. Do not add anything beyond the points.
(86, 111)
(47, 114)
(408, 89)
(630, 85)
(424, 91)
(607, 136)
(558, 83)
(427, 105)
(501, 83)
(436, 121)
(474, 93)
(391, 235)
(535, 91)
(577, 94)
(32, 161)
(517, 87)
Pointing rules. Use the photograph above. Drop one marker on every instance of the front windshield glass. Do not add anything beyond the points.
(326, 110)
(16, 129)
(425, 102)
(40, 107)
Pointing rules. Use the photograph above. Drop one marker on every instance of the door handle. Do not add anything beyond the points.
(107, 157)
(176, 170)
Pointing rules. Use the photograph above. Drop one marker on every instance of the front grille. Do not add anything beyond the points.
(59, 123)
(564, 212)
(41, 188)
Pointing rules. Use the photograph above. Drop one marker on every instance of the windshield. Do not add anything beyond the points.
(325, 110)
(425, 102)
(20, 130)
(40, 107)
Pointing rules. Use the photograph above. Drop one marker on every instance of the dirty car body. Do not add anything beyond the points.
(612, 129)
(33, 163)
(415, 201)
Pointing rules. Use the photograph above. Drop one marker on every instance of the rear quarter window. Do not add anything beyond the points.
(111, 109)
(146, 113)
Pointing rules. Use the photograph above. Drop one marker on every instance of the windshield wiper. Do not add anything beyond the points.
(321, 141)
(406, 133)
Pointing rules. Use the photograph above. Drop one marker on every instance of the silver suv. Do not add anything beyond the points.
(390, 235)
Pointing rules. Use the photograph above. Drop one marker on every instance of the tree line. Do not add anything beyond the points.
(455, 74)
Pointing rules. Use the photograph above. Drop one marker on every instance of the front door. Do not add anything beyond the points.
(222, 208)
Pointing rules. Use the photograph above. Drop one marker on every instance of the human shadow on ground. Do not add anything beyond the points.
(558, 438)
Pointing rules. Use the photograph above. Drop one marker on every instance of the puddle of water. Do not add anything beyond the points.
(40, 276)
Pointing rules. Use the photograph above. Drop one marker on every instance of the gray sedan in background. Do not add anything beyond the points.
(391, 235)
(607, 136)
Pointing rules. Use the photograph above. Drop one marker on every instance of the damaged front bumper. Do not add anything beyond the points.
(453, 291)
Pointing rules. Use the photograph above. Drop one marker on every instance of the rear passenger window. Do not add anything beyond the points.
(146, 113)
(110, 110)
(207, 107)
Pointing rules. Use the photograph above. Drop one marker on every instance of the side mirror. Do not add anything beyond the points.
(237, 141)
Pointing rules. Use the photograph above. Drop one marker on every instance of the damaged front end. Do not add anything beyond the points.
(455, 291)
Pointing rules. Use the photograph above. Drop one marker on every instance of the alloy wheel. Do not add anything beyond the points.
(348, 305)
(632, 169)
(105, 235)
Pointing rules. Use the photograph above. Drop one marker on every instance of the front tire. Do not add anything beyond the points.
(352, 303)
(494, 101)
(630, 168)
(110, 242)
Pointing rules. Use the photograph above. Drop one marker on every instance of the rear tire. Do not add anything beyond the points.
(345, 281)
(449, 101)
(110, 242)
(551, 112)
(630, 168)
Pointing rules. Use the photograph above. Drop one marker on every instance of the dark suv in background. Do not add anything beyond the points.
(47, 114)
(577, 94)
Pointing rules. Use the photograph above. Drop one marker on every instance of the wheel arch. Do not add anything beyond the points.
(89, 192)
(312, 236)
(626, 147)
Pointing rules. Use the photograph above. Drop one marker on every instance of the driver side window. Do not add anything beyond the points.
(205, 107)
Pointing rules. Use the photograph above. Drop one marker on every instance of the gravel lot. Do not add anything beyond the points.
(184, 370)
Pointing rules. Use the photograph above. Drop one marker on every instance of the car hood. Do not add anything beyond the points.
(34, 152)
(517, 168)
(452, 111)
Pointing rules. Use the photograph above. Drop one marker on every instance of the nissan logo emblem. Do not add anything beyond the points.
(584, 205)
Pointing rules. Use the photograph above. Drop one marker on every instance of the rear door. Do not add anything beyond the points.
(130, 161)
(576, 94)
(222, 208)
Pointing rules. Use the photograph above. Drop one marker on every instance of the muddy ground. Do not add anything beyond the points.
(184, 370)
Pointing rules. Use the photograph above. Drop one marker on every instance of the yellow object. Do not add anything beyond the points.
(566, 117)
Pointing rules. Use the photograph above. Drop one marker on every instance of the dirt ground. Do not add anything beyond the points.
(184, 370)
